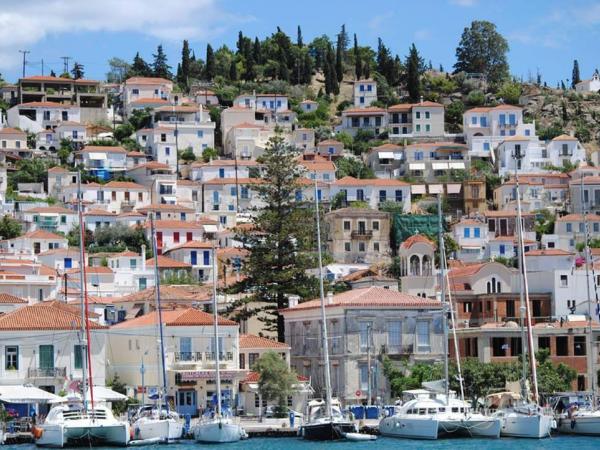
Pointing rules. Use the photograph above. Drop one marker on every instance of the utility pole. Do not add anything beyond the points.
(42, 66)
(65, 63)
(369, 334)
(24, 60)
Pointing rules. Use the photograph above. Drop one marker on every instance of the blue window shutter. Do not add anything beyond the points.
(194, 257)
(215, 197)
(476, 232)
(502, 249)
(221, 173)
(68, 263)
(206, 257)
(467, 232)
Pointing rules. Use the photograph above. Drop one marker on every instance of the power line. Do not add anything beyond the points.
(24, 55)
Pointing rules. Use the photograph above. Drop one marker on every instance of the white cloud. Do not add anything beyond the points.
(24, 23)
(422, 35)
(377, 22)
(464, 3)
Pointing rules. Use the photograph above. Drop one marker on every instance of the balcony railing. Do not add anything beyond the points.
(54, 372)
(361, 234)
(188, 356)
(226, 356)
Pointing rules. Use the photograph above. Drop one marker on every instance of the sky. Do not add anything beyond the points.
(543, 35)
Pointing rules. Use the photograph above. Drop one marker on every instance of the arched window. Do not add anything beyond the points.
(498, 287)
(493, 284)
(489, 287)
(415, 269)
(426, 265)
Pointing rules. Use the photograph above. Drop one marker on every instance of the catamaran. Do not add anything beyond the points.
(157, 423)
(325, 421)
(220, 426)
(436, 411)
(521, 417)
(79, 420)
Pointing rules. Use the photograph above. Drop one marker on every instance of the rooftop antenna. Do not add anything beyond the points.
(24, 60)
(65, 63)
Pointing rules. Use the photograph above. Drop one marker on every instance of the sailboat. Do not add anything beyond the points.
(220, 427)
(521, 417)
(77, 421)
(436, 412)
(578, 413)
(157, 423)
(325, 421)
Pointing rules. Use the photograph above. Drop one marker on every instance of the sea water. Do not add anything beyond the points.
(558, 443)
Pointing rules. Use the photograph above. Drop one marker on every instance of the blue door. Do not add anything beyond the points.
(68, 262)
(194, 257)
(187, 403)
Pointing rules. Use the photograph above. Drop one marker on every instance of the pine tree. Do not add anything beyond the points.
(139, 67)
(209, 69)
(414, 65)
(299, 42)
(306, 68)
(160, 68)
(184, 74)
(280, 243)
(77, 70)
(562, 85)
(52, 73)
(575, 77)
(441, 68)
(339, 59)
(357, 60)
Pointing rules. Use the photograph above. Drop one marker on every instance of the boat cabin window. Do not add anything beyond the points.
(454, 409)
(442, 410)
(431, 411)
(462, 410)
(422, 411)
(410, 411)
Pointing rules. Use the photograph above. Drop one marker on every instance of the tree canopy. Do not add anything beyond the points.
(276, 380)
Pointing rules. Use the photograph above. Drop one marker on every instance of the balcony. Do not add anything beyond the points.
(54, 372)
(361, 234)
(187, 357)
(210, 356)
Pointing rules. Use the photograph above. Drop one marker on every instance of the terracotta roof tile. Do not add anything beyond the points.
(578, 217)
(158, 224)
(167, 294)
(12, 131)
(43, 105)
(52, 315)
(191, 244)
(549, 252)
(165, 262)
(253, 341)
(8, 298)
(147, 80)
(412, 240)
(42, 234)
(103, 149)
(175, 318)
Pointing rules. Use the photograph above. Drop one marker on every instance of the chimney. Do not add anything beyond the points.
(329, 300)
(143, 255)
(293, 301)
(421, 99)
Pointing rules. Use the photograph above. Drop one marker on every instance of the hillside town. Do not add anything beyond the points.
(425, 223)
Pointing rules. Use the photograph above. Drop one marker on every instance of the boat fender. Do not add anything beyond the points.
(220, 425)
(37, 432)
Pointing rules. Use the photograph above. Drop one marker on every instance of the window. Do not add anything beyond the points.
(163, 137)
(569, 227)
(361, 246)
(543, 342)
(242, 360)
(486, 146)
(596, 227)
(375, 225)
(369, 88)
(382, 196)
(579, 346)
(499, 346)
(418, 128)
(467, 233)
(427, 115)
(78, 356)
(252, 358)
(418, 114)
(200, 133)
(476, 232)
(423, 342)
(376, 246)
(135, 91)
(364, 377)
(527, 132)
(46, 356)
(427, 127)
(502, 119)
(346, 225)
(399, 195)
(63, 219)
(564, 281)
(365, 328)
(394, 329)
(418, 156)
(11, 357)
(360, 195)
(467, 307)
(562, 346)
(176, 237)
(361, 99)
(245, 192)
(510, 308)
(502, 249)
(167, 151)
(473, 120)
(346, 246)
(46, 115)
(581, 227)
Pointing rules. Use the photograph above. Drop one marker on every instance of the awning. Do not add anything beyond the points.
(436, 188)
(25, 394)
(456, 165)
(386, 155)
(471, 247)
(104, 394)
(97, 156)
(398, 155)
(454, 188)
(416, 166)
(209, 228)
(417, 188)
(439, 166)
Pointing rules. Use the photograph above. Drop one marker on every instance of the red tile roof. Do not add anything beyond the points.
(151, 165)
(50, 209)
(147, 80)
(42, 234)
(549, 252)
(329, 142)
(564, 137)
(253, 341)
(52, 315)
(12, 131)
(175, 318)
(370, 111)
(165, 262)
(351, 181)
(125, 185)
(191, 244)
(103, 149)
(8, 298)
(149, 101)
(175, 224)
(43, 105)
(412, 240)
(167, 294)
(578, 217)
(371, 297)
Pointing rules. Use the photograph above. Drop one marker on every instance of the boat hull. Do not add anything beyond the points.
(327, 430)
(587, 425)
(411, 428)
(468, 427)
(163, 429)
(536, 426)
(83, 433)
(219, 432)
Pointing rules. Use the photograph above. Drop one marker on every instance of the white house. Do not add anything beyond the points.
(68, 130)
(131, 274)
(570, 230)
(29, 355)
(224, 198)
(308, 106)
(50, 218)
(591, 194)
(223, 168)
(198, 254)
(13, 141)
(137, 88)
(104, 162)
(424, 119)
(114, 196)
(364, 93)
(368, 119)
(591, 85)
(28, 280)
(171, 233)
(471, 235)
(38, 116)
(33, 243)
(373, 191)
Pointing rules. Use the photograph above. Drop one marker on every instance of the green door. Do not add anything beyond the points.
(46, 356)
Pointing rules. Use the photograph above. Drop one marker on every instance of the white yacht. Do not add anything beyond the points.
(520, 418)
(220, 427)
(575, 414)
(431, 415)
(152, 424)
(72, 424)
(320, 426)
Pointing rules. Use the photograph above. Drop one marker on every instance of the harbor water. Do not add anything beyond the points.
(557, 442)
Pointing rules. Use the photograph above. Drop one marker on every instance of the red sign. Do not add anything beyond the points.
(359, 393)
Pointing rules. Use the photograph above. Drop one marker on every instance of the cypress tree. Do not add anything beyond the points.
(233, 75)
(357, 60)
(257, 52)
(240, 43)
(339, 60)
(331, 80)
(299, 42)
(306, 68)
(414, 63)
(575, 78)
(209, 69)
(184, 73)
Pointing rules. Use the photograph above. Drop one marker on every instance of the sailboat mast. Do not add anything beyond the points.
(87, 377)
(522, 308)
(590, 341)
(216, 328)
(162, 369)
(323, 315)
(525, 286)
(443, 297)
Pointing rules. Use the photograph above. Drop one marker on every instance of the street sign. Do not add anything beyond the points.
(359, 393)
